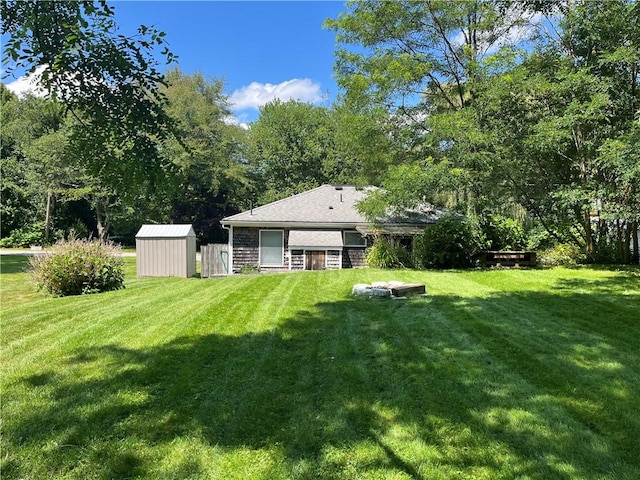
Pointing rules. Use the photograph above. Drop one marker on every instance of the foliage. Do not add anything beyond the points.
(547, 121)
(44, 182)
(539, 238)
(292, 148)
(384, 254)
(502, 233)
(561, 255)
(109, 81)
(250, 269)
(211, 180)
(78, 267)
(408, 48)
(296, 146)
(452, 242)
(31, 234)
(367, 144)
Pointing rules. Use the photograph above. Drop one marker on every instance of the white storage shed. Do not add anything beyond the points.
(166, 251)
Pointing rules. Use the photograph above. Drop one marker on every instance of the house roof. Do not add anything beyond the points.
(315, 239)
(165, 231)
(333, 206)
(325, 205)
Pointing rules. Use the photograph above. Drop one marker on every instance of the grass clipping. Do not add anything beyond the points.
(78, 267)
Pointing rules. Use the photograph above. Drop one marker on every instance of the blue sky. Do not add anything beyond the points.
(261, 49)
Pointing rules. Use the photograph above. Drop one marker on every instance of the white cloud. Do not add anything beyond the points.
(256, 95)
(236, 120)
(28, 83)
(516, 28)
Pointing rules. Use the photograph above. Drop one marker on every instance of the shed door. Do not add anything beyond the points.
(315, 260)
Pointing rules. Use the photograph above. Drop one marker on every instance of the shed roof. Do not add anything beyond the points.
(166, 231)
(315, 239)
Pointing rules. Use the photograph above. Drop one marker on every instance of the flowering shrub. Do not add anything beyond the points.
(562, 254)
(78, 267)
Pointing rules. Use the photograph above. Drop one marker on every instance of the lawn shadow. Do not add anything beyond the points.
(463, 382)
(14, 263)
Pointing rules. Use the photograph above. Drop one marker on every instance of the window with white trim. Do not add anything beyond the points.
(354, 239)
(271, 248)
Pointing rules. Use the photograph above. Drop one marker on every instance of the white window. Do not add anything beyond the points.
(354, 239)
(271, 248)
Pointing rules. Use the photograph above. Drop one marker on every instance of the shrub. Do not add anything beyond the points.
(24, 237)
(249, 269)
(562, 254)
(502, 233)
(450, 243)
(384, 255)
(78, 267)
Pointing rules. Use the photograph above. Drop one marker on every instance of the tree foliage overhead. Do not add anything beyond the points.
(110, 82)
(429, 49)
(552, 128)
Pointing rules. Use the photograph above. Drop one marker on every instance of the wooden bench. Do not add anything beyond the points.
(508, 258)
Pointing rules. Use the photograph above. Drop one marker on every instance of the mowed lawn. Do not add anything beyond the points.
(505, 374)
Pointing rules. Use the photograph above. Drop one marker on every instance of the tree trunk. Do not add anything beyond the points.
(619, 239)
(48, 214)
(102, 220)
(588, 235)
(626, 244)
(635, 257)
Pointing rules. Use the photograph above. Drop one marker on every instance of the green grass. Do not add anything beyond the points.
(529, 374)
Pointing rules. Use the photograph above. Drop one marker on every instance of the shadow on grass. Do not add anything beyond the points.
(511, 386)
(14, 263)
(627, 278)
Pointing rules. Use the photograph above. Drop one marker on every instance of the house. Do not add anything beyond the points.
(313, 230)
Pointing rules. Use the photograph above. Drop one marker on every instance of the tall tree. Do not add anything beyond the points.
(212, 178)
(424, 62)
(34, 163)
(110, 82)
(568, 118)
(551, 128)
(292, 149)
(427, 51)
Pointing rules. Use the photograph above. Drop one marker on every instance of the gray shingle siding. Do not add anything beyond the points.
(353, 257)
(246, 243)
(246, 253)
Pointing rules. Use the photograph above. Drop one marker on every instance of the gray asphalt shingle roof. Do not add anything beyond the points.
(323, 205)
(315, 238)
(330, 205)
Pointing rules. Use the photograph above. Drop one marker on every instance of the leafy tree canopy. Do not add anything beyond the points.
(109, 81)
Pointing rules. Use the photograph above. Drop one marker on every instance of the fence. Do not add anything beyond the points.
(214, 260)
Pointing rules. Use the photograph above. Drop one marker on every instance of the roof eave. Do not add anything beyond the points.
(331, 225)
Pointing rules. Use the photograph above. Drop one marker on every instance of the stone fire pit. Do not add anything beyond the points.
(388, 289)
